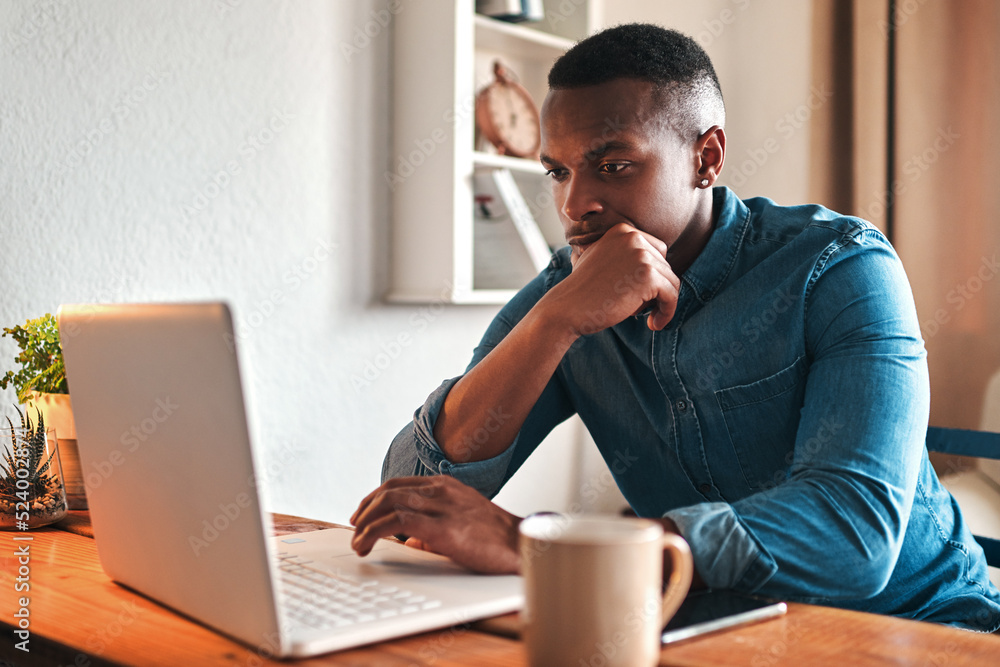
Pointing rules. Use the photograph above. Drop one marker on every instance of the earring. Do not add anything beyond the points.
(704, 182)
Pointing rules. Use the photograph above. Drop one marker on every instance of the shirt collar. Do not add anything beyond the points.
(707, 275)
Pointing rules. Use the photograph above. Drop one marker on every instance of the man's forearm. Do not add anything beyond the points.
(485, 410)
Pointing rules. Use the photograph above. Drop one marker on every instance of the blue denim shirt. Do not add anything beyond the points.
(779, 420)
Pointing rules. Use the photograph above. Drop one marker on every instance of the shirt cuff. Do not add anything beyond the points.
(725, 554)
(486, 476)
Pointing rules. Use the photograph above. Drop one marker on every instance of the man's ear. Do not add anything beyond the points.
(710, 153)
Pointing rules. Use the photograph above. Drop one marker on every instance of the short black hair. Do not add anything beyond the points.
(675, 64)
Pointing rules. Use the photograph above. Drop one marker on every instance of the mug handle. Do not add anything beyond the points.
(680, 575)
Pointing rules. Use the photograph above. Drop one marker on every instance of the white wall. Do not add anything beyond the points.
(225, 149)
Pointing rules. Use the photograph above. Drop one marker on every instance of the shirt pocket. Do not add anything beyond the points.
(762, 419)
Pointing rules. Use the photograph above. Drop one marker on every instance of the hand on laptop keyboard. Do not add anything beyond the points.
(442, 515)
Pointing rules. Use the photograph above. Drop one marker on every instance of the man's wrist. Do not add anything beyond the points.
(553, 322)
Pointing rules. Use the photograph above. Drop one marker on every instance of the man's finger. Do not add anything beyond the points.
(658, 245)
(384, 526)
(363, 505)
(396, 501)
(415, 543)
(665, 306)
(423, 485)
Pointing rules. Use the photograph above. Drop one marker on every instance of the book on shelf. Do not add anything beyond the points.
(524, 221)
(510, 248)
(514, 11)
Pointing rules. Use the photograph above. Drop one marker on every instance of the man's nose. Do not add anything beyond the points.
(580, 199)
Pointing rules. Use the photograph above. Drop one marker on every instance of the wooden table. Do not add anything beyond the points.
(80, 617)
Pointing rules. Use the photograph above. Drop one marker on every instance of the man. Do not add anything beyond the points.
(753, 374)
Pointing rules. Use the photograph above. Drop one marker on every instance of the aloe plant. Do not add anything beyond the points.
(27, 452)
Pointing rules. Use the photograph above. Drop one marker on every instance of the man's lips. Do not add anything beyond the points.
(581, 241)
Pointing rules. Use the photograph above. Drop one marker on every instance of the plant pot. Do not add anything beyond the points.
(31, 489)
(57, 410)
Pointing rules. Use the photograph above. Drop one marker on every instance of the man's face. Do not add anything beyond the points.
(614, 158)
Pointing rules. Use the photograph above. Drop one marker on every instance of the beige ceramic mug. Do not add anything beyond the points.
(593, 589)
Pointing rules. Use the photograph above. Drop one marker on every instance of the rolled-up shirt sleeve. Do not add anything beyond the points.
(725, 553)
(414, 451)
(834, 527)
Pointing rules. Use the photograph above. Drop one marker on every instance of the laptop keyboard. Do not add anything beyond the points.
(321, 600)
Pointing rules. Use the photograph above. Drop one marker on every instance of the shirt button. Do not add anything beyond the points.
(704, 488)
(682, 405)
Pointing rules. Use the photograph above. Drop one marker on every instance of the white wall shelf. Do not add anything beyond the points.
(493, 35)
(442, 55)
(494, 161)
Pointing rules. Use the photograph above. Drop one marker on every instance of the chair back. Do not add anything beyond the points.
(980, 444)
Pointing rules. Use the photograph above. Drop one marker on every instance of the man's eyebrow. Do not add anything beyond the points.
(596, 151)
(607, 147)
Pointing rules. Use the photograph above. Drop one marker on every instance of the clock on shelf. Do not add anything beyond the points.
(444, 157)
(507, 117)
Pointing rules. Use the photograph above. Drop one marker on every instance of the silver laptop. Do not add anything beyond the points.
(166, 449)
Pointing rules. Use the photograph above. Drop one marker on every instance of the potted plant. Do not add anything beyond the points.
(31, 488)
(40, 382)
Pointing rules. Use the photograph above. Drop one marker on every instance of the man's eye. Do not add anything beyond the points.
(557, 174)
(613, 167)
